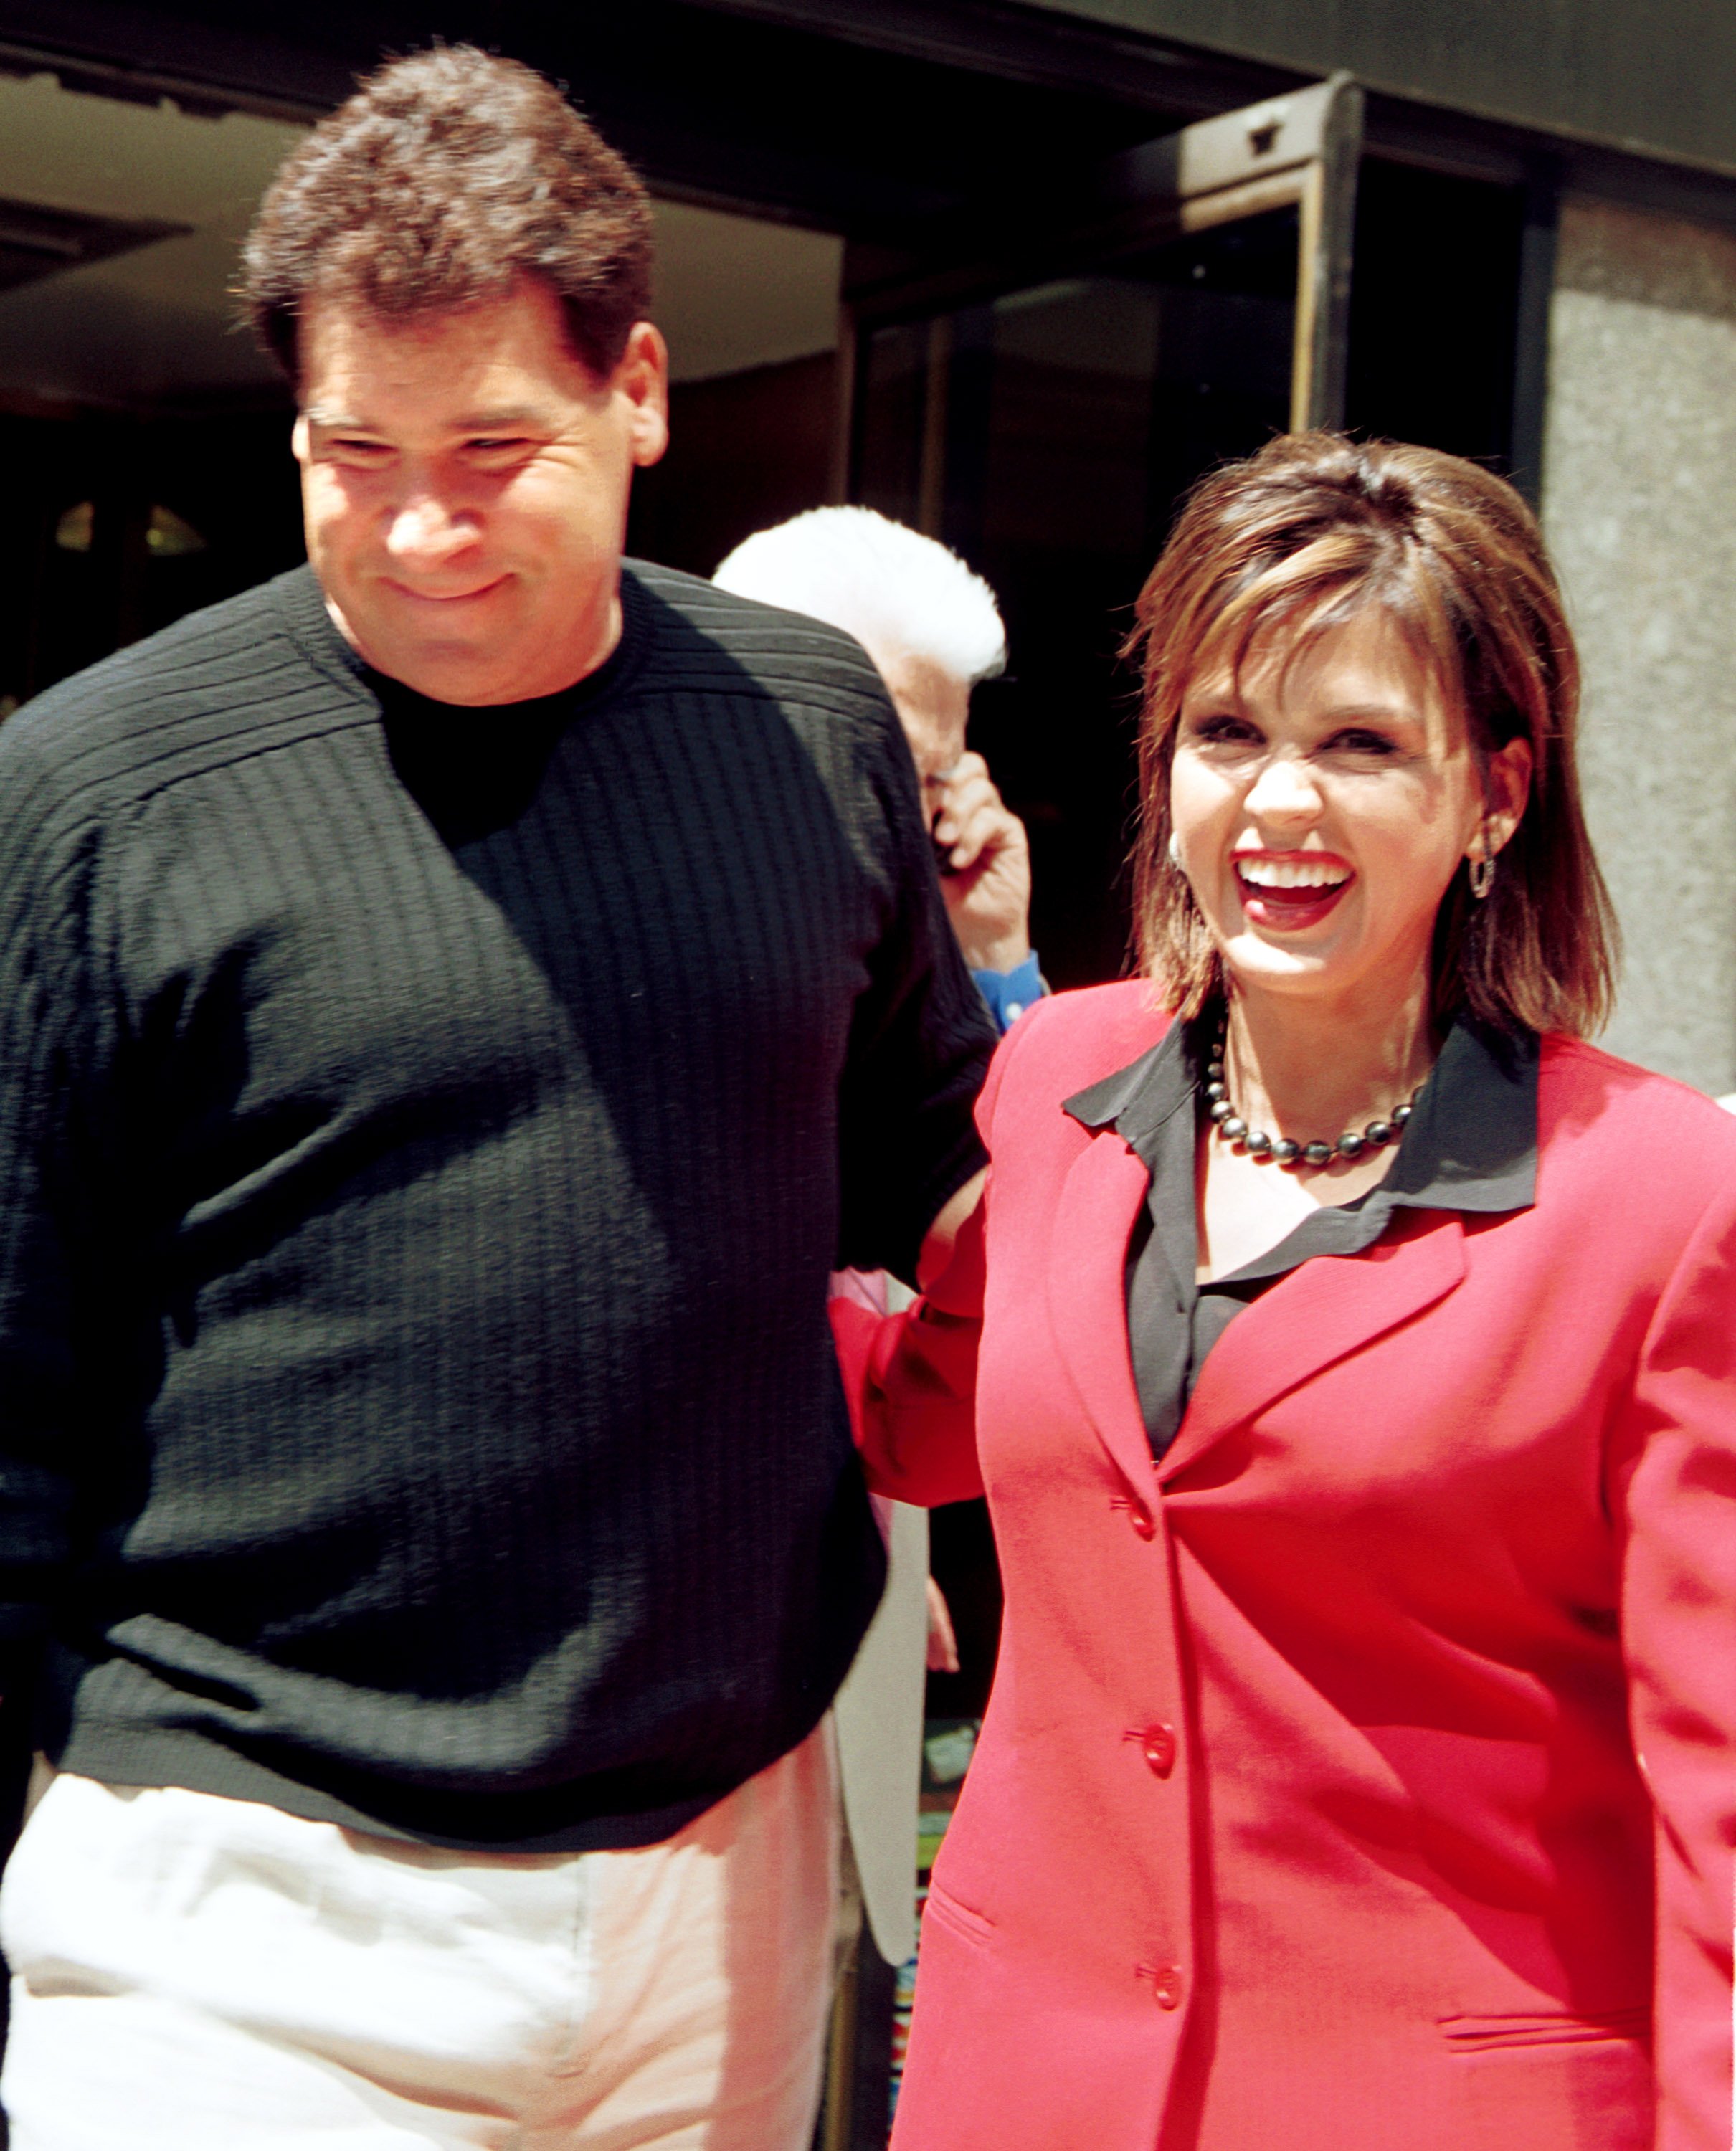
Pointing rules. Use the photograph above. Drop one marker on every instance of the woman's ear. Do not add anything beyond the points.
(1506, 787)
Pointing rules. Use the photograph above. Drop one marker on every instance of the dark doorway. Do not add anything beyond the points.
(117, 526)
(746, 451)
(1047, 434)
(1433, 310)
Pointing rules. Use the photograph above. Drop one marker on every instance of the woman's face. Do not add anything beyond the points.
(1321, 806)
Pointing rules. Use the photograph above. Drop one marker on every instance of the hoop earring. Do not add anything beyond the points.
(1482, 873)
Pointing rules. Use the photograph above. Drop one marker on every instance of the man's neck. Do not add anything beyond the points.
(472, 686)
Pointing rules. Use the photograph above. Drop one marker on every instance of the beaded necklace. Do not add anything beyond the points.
(1233, 1128)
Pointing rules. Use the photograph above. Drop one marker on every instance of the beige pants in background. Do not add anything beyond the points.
(198, 1974)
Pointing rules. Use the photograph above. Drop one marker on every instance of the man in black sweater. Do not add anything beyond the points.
(456, 1004)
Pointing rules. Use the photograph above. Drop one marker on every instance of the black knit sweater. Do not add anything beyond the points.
(424, 1136)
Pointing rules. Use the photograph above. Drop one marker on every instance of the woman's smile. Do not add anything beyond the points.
(1288, 892)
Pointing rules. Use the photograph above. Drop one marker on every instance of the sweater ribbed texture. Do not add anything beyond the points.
(424, 1136)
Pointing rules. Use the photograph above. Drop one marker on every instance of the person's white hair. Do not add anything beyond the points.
(859, 570)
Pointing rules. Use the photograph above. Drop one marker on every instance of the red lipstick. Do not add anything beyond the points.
(1288, 892)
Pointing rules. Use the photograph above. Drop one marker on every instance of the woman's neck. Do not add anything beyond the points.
(1310, 1070)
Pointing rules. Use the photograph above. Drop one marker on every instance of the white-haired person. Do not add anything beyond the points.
(933, 630)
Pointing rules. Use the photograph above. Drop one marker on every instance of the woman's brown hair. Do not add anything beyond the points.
(1290, 544)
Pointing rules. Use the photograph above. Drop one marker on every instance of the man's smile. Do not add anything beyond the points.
(405, 591)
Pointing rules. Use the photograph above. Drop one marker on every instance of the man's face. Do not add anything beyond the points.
(464, 480)
(934, 706)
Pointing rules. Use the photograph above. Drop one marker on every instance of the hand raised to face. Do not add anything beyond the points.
(986, 865)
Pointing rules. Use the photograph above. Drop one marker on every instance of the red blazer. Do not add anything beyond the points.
(1361, 1778)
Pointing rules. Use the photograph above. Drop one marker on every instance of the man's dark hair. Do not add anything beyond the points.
(448, 175)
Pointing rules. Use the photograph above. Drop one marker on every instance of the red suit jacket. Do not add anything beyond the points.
(1361, 1777)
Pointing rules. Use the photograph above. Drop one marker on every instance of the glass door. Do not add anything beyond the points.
(1042, 407)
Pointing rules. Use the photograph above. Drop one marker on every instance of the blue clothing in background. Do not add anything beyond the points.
(1009, 994)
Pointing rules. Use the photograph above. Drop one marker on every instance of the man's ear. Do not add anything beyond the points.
(642, 377)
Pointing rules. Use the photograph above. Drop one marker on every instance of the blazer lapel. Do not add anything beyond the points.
(1094, 1221)
(1330, 1307)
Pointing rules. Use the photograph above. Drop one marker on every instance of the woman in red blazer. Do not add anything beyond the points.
(1357, 1408)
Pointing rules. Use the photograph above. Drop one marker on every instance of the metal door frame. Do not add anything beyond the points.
(1300, 150)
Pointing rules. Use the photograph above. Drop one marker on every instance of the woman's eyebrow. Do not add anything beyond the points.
(1392, 711)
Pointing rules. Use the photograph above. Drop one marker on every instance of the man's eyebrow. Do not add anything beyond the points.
(508, 418)
(501, 420)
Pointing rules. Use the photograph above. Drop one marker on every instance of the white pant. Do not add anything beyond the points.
(197, 1974)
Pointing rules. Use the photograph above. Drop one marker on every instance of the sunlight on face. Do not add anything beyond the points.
(465, 483)
(934, 707)
(1322, 805)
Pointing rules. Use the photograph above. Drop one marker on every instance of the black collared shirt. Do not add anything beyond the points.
(1472, 1144)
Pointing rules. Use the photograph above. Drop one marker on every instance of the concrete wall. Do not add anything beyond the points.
(1637, 74)
(1640, 506)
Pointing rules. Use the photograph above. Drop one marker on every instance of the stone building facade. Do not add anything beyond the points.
(1639, 502)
